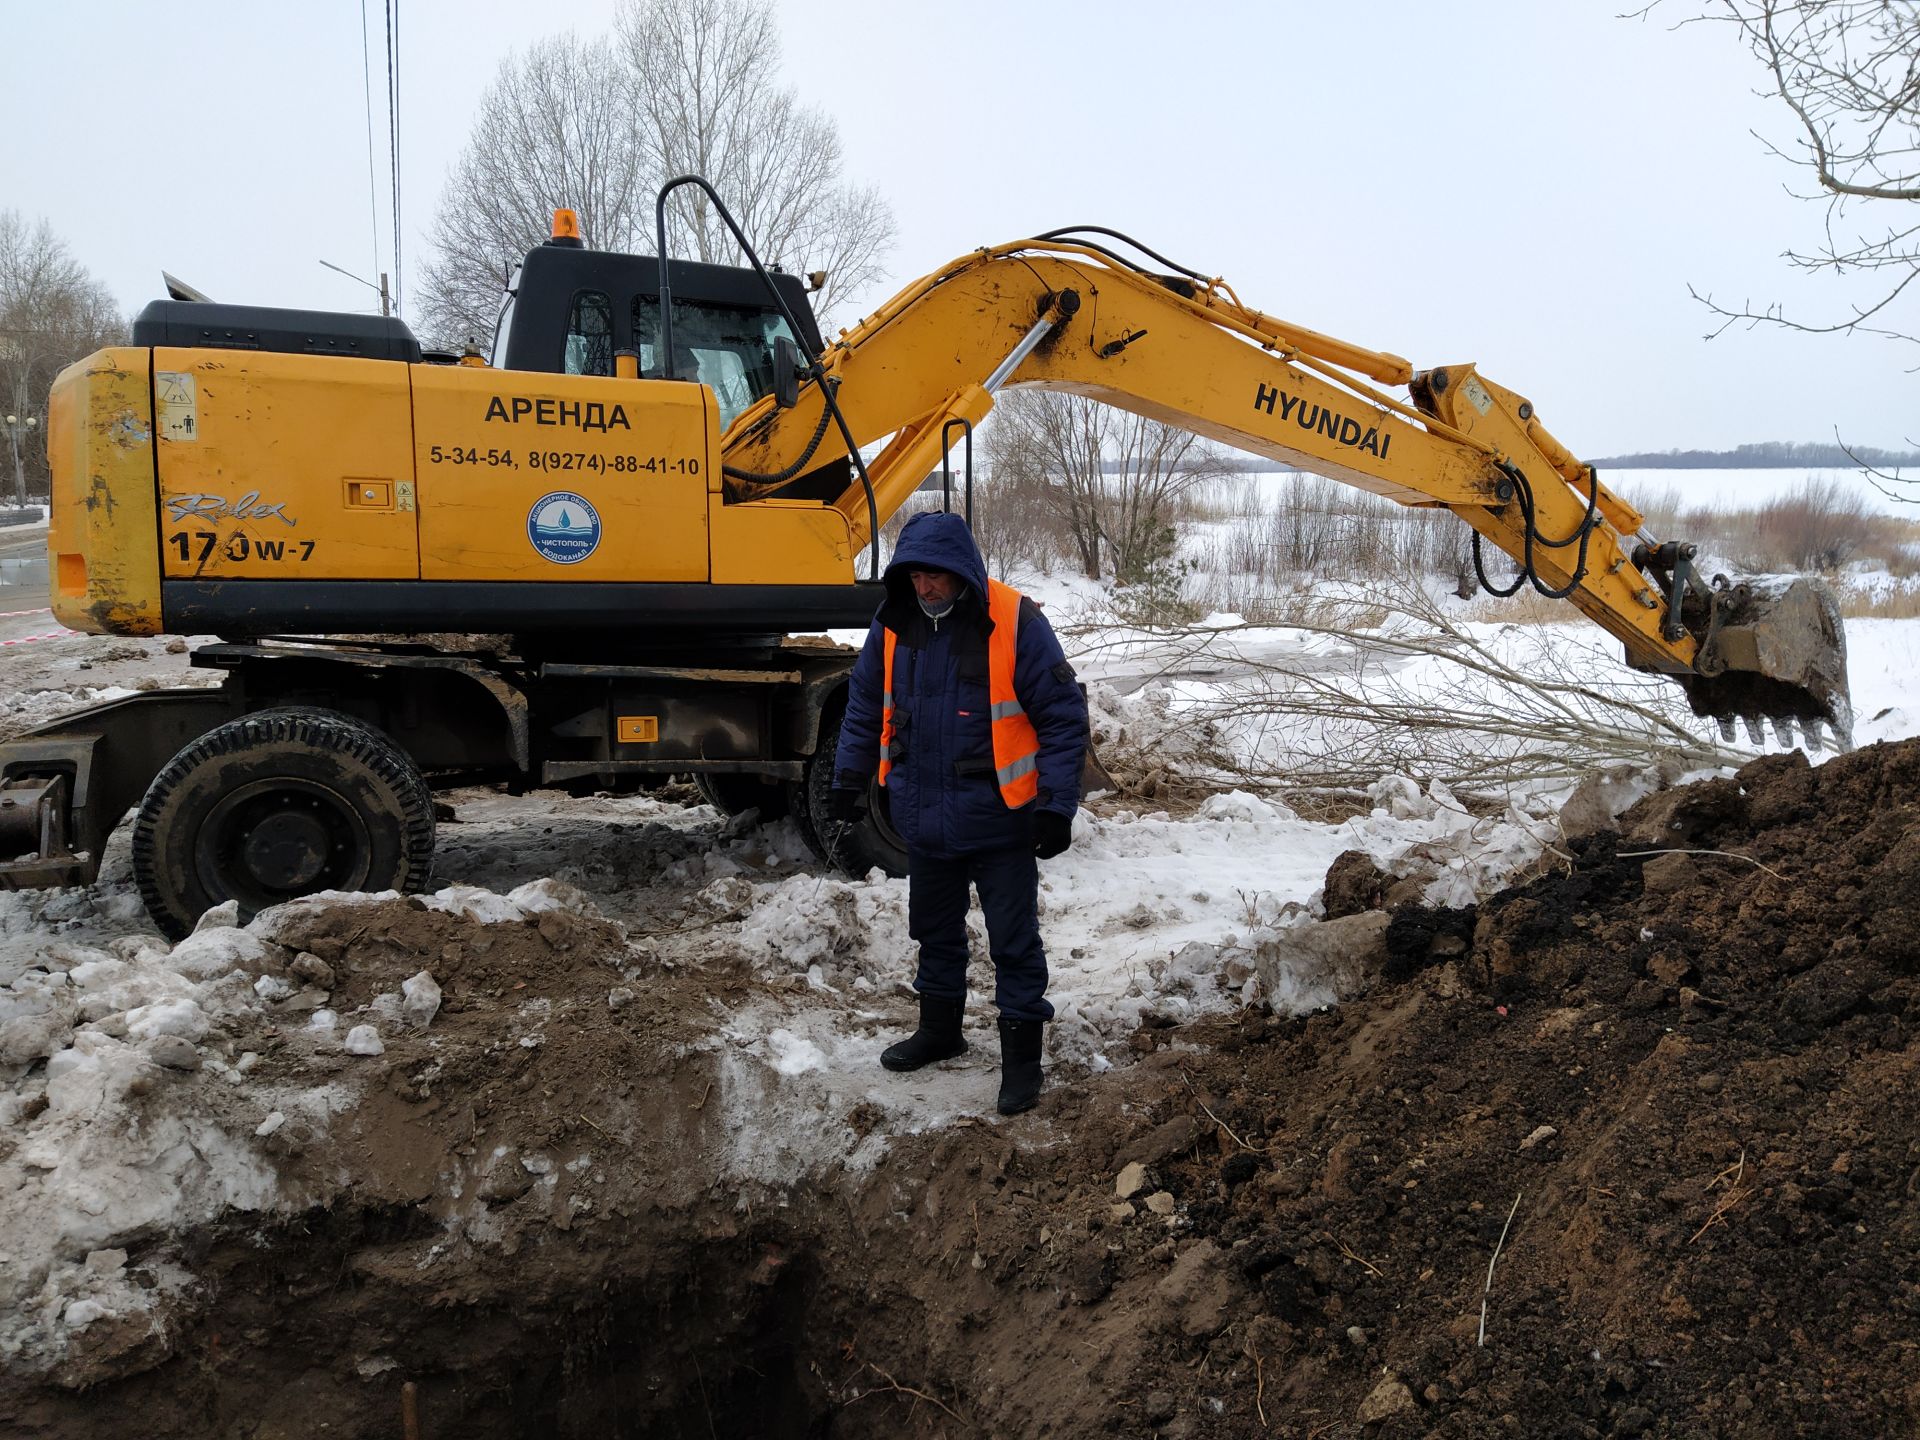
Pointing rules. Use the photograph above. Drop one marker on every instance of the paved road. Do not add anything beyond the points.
(23, 584)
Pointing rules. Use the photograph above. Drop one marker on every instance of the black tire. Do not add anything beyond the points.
(275, 805)
(737, 794)
(856, 848)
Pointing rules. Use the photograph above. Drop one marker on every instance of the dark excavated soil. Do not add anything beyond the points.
(1689, 1078)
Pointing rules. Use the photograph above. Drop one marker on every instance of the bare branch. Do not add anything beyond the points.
(52, 312)
(685, 86)
(1345, 707)
(1848, 73)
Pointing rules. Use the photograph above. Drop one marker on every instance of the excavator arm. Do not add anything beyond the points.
(1071, 314)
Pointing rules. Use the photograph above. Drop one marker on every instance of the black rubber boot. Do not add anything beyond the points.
(938, 1037)
(1019, 1065)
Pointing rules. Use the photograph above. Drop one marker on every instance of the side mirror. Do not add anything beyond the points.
(786, 372)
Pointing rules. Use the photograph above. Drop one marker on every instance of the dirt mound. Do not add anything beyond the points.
(1689, 1078)
(1674, 1089)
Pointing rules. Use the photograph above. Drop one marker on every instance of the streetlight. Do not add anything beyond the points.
(15, 425)
(381, 287)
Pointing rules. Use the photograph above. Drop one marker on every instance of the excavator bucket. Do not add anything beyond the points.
(1774, 651)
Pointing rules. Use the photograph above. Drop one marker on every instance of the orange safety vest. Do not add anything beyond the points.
(1016, 747)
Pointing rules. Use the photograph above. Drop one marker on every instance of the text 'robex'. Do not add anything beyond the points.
(1341, 429)
(584, 415)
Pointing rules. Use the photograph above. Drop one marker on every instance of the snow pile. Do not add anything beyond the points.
(134, 1109)
(1147, 917)
(25, 709)
(1135, 892)
(1142, 735)
(114, 1139)
(536, 897)
(839, 934)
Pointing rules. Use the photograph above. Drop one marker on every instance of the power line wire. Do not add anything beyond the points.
(393, 136)
(366, 87)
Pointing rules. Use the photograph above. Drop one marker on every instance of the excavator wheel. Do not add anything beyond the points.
(855, 848)
(737, 794)
(276, 805)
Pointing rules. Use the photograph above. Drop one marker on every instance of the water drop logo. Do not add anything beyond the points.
(563, 527)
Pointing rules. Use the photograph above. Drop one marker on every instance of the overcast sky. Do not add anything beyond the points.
(1525, 185)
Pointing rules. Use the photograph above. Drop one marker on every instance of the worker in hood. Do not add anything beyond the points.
(964, 705)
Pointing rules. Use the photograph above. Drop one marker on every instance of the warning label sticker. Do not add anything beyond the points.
(175, 405)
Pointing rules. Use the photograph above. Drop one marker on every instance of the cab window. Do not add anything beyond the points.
(589, 343)
(725, 347)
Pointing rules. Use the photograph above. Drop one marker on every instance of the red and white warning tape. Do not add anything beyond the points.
(50, 635)
(9, 614)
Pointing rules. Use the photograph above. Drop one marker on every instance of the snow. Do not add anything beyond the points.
(1164, 908)
(1717, 489)
(794, 1054)
(1883, 657)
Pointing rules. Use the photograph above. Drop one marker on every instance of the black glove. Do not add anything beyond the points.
(1052, 834)
(844, 806)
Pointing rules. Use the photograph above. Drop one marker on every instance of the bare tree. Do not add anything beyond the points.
(710, 103)
(1014, 523)
(556, 128)
(1391, 683)
(1038, 446)
(1848, 73)
(599, 124)
(1113, 479)
(52, 312)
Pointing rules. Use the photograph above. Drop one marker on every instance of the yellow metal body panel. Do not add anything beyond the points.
(262, 460)
(104, 559)
(780, 542)
(498, 453)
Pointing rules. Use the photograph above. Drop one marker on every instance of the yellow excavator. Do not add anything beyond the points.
(631, 520)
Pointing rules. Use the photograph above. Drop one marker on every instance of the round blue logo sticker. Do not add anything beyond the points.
(563, 527)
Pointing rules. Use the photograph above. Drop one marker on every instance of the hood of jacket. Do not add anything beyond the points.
(933, 540)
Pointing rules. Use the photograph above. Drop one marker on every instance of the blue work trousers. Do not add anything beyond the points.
(1009, 884)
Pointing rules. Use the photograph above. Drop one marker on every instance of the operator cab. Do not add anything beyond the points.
(570, 308)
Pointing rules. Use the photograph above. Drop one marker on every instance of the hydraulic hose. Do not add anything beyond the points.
(1530, 536)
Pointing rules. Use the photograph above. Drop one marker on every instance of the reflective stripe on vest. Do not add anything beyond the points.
(886, 708)
(1016, 746)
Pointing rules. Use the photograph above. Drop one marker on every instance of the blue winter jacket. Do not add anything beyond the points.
(941, 791)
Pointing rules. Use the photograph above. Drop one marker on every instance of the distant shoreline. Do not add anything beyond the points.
(1761, 457)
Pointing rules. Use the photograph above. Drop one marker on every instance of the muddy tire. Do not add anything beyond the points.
(857, 848)
(737, 794)
(276, 805)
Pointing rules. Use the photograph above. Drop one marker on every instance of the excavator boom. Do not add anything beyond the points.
(1072, 315)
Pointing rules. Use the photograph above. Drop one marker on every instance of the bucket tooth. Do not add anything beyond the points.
(1726, 729)
(1783, 727)
(1815, 735)
(1756, 728)
(1776, 646)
